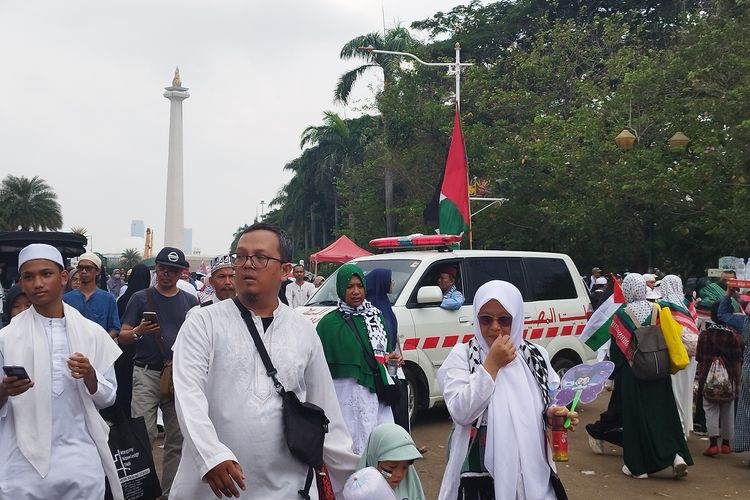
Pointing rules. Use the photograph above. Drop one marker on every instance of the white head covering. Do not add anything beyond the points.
(92, 257)
(634, 291)
(601, 280)
(516, 444)
(39, 251)
(367, 484)
(671, 289)
(653, 294)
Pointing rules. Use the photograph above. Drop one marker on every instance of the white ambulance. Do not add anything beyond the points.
(556, 307)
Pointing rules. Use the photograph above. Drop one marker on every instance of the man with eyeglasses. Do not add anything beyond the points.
(227, 405)
(91, 301)
(154, 340)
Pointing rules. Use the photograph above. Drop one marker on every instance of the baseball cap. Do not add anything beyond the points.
(172, 257)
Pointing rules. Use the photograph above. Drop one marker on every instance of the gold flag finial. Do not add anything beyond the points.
(176, 82)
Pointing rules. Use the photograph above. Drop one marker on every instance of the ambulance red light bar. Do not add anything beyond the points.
(416, 240)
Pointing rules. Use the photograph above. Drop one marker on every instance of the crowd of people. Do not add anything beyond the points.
(709, 396)
(218, 361)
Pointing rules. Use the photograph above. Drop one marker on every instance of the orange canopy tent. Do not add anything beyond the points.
(340, 251)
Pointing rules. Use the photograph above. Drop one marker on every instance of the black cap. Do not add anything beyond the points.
(173, 257)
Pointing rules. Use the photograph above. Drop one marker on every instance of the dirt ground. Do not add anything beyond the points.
(587, 475)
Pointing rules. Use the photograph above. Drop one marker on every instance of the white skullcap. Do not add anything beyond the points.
(92, 257)
(649, 277)
(367, 484)
(601, 280)
(39, 251)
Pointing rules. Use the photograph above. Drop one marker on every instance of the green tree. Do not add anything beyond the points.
(236, 238)
(79, 230)
(395, 39)
(29, 205)
(129, 258)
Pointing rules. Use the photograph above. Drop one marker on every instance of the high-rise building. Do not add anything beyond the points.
(187, 234)
(137, 228)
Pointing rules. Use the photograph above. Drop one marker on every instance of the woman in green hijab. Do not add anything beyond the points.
(391, 450)
(357, 348)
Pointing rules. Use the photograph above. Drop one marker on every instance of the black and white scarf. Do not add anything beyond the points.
(373, 325)
(531, 354)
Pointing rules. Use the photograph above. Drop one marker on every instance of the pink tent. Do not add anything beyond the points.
(340, 251)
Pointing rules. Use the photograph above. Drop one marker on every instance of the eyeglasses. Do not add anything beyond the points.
(487, 320)
(256, 261)
(86, 269)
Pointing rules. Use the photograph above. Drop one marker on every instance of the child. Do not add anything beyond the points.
(725, 344)
(391, 451)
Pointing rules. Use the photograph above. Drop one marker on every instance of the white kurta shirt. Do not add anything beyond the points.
(297, 295)
(228, 408)
(75, 471)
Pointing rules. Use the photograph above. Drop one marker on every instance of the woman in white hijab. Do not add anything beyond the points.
(683, 380)
(485, 383)
(651, 429)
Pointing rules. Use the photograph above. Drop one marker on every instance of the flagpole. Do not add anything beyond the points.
(454, 67)
(458, 110)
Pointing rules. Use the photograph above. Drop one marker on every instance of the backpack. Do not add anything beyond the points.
(718, 386)
(650, 356)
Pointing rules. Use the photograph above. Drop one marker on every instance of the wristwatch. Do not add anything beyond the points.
(136, 336)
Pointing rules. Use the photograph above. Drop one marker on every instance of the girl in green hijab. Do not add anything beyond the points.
(357, 347)
(391, 450)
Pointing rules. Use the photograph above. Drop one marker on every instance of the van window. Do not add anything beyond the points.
(430, 279)
(549, 279)
(484, 269)
(401, 271)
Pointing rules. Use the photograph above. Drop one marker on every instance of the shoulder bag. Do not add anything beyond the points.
(389, 394)
(305, 424)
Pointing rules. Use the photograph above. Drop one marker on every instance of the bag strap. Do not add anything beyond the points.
(654, 315)
(369, 358)
(157, 338)
(270, 370)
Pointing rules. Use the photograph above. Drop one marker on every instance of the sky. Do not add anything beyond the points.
(82, 106)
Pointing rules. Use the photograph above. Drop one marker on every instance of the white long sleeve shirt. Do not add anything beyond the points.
(229, 410)
(73, 473)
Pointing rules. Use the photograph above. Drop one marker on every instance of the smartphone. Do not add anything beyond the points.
(151, 316)
(16, 371)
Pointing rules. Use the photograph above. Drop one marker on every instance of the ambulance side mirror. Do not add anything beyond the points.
(429, 295)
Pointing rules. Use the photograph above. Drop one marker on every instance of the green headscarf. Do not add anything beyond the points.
(391, 442)
(344, 275)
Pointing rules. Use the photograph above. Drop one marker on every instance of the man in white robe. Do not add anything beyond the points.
(53, 443)
(229, 412)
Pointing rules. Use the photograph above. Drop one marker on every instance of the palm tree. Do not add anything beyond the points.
(395, 39)
(29, 205)
(79, 230)
(129, 258)
(336, 145)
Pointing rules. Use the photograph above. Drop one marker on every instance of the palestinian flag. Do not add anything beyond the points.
(682, 315)
(596, 332)
(453, 211)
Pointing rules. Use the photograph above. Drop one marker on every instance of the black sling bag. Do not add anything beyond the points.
(305, 424)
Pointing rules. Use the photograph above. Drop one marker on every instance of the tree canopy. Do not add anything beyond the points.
(28, 205)
(553, 84)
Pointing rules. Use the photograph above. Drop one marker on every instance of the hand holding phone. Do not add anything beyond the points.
(16, 371)
(151, 316)
(19, 384)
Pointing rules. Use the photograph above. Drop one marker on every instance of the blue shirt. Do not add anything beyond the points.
(101, 308)
(452, 300)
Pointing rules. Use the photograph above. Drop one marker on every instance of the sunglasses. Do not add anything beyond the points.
(487, 320)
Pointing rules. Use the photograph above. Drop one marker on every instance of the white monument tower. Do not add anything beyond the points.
(175, 211)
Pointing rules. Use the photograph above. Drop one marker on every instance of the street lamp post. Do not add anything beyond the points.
(453, 67)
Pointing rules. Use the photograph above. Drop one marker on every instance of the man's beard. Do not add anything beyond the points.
(250, 298)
